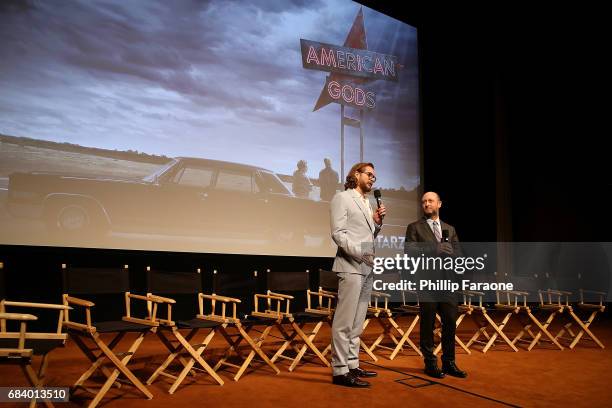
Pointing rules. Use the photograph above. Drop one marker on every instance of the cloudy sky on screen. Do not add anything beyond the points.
(213, 79)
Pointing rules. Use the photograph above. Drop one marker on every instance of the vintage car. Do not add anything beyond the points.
(186, 196)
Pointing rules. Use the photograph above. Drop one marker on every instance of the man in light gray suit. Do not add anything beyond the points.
(354, 225)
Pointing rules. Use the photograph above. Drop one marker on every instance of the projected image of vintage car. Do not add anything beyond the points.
(187, 196)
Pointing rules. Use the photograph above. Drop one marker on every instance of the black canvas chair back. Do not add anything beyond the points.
(105, 286)
(278, 281)
(92, 281)
(2, 281)
(328, 280)
(290, 283)
(182, 286)
(174, 282)
(237, 285)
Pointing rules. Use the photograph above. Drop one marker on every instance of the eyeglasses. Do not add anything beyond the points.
(370, 175)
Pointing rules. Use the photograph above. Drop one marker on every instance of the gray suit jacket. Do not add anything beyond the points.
(353, 230)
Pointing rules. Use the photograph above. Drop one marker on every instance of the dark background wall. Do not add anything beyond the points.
(515, 118)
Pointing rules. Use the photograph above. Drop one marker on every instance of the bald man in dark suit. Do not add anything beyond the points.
(425, 236)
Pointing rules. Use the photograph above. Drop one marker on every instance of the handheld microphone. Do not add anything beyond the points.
(444, 236)
(377, 196)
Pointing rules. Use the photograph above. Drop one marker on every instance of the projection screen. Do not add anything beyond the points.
(216, 126)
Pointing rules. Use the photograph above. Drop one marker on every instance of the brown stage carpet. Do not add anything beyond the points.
(541, 377)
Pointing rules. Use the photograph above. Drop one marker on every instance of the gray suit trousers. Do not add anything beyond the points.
(353, 297)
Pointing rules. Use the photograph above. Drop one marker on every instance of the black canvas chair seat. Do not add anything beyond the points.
(197, 324)
(256, 321)
(40, 347)
(306, 317)
(400, 311)
(120, 326)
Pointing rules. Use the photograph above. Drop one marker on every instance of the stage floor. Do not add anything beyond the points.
(501, 377)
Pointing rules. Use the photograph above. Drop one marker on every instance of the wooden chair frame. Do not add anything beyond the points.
(82, 333)
(412, 310)
(583, 325)
(325, 309)
(525, 315)
(21, 354)
(483, 320)
(242, 335)
(464, 309)
(295, 334)
(194, 352)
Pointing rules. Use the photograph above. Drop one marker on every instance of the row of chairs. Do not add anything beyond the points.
(153, 312)
(222, 312)
(491, 321)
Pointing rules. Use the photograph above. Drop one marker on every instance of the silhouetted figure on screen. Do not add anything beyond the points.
(328, 181)
(301, 183)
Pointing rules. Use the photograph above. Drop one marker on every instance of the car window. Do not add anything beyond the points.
(234, 181)
(194, 176)
(271, 183)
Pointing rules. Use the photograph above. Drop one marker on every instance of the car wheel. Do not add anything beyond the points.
(73, 218)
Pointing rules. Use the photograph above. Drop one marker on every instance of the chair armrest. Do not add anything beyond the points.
(260, 295)
(139, 297)
(515, 292)
(18, 316)
(79, 302)
(329, 295)
(160, 299)
(471, 293)
(220, 298)
(558, 292)
(380, 294)
(281, 295)
(37, 305)
(595, 292)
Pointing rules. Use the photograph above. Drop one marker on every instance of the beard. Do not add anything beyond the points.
(430, 213)
(366, 187)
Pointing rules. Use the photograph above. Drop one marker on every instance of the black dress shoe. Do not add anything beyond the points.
(451, 368)
(359, 372)
(434, 371)
(349, 380)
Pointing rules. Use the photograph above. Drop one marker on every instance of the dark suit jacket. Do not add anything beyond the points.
(420, 239)
(419, 231)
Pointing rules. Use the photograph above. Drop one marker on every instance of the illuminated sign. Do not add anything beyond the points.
(349, 93)
(348, 61)
(351, 67)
